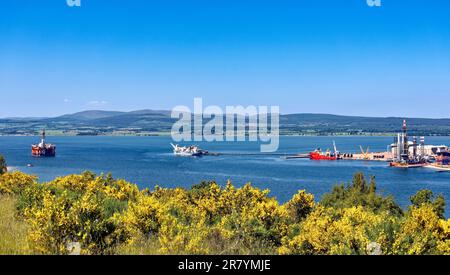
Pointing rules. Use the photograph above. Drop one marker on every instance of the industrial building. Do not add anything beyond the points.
(413, 153)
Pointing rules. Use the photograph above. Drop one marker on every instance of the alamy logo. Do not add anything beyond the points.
(237, 123)
(374, 3)
(73, 3)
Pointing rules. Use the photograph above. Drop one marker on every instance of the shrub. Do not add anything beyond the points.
(359, 193)
(15, 183)
(102, 215)
(3, 166)
(423, 232)
(426, 197)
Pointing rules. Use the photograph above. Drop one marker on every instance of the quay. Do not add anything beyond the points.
(402, 153)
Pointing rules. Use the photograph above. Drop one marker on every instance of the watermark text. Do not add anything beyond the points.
(236, 123)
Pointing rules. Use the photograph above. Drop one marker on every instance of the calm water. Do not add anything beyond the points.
(148, 161)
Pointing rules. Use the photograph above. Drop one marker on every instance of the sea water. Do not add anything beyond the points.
(148, 161)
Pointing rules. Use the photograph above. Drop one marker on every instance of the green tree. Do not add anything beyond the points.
(3, 167)
(426, 197)
(360, 193)
(300, 205)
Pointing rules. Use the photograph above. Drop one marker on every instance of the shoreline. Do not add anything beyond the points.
(168, 135)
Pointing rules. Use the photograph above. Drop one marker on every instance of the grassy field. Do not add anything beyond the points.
(13, 232)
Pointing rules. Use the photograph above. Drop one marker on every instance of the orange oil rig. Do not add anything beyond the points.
(43, 149)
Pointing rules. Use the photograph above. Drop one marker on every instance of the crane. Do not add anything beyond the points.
(365, 153)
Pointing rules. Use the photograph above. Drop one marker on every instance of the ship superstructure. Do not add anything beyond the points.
(192, 150)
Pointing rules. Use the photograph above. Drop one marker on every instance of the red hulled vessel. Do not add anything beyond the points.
(327, 155)
(319, 155)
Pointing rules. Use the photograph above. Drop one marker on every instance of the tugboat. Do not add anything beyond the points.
(189, 151)
(43, 149)
(328, 155)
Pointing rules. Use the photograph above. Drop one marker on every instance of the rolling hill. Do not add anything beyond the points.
(150, 122)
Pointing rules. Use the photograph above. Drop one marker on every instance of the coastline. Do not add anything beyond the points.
(163, 134)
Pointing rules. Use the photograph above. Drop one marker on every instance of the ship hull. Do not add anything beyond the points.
(37, 151)
(439, 168)
(318, 156)
(407, 165)
(188, 154)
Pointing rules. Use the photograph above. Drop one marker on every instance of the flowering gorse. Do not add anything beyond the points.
(102, 215)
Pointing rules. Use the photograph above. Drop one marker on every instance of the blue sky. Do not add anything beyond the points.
(320, 56)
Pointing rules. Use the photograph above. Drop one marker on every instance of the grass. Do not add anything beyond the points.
(13, 232)
(142, 246)
(150, 246)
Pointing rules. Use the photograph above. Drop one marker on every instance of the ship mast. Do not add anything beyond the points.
(405, 141)
(43, 138)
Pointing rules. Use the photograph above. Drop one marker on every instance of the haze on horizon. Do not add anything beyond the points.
(326, 56)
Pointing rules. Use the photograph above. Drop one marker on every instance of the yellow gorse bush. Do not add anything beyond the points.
(144, 215)
(100, 214)
(423, 232)
(51, 224)
(345, 231)
(11, 183)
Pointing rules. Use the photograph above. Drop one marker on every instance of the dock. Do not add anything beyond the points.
(379, 156)
(247, 154)
(402, 153)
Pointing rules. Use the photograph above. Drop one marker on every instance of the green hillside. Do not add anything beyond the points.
(147, 122)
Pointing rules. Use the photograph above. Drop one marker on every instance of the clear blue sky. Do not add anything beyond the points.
(321, 56)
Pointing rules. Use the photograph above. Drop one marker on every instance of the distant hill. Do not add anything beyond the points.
(89, 115)
(325, 123)
(144, 122)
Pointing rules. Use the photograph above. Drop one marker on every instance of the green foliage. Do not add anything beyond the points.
(3, 167)
(360, 193)
(300, 205)
(112, 206)
(426, 197)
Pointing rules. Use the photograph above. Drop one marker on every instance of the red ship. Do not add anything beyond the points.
(328, 155)
(42, 149)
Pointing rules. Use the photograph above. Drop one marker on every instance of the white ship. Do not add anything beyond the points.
(442, 163)
(191, 151)
(439, 168)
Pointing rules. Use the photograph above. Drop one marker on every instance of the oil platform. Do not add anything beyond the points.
(403, 156)
(43, 149)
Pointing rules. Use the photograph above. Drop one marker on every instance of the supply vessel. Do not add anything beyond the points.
(318, 154)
